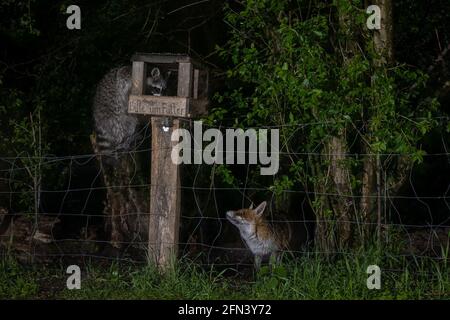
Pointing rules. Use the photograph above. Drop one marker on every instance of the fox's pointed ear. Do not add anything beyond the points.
(260, 209)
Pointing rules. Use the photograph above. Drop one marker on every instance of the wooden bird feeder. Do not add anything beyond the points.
(186, 96)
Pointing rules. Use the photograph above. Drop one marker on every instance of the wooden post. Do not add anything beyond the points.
(196, 76)
(139, 77)
(184, 79)
(165, 194)
(165, 191)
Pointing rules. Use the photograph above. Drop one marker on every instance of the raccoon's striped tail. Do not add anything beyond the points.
(102, 150)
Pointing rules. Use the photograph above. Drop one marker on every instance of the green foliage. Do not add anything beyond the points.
(21, 22)
(48, 76)
(30, 147)
(25, 142)
(16, 282)
(289, 70)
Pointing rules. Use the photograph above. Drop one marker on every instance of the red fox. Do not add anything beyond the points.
(262, 238)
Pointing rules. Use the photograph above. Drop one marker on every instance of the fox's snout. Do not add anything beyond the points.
(231, 216)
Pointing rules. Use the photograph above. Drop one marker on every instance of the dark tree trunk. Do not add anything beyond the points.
(126, 206)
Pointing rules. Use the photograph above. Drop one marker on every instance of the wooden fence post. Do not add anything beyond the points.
(165, 190)
(165, 194)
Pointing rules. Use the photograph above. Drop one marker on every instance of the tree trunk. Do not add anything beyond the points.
(333, 226)
(368, 193)
(342, 203)
(333, 223)
(371, 181)
(126, 207)
(383, 38)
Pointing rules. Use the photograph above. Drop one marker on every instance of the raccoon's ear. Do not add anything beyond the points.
(251, 206)
(260, 209)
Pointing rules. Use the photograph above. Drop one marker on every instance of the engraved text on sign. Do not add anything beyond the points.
(161, 106)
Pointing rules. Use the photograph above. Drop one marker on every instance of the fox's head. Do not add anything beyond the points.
(246, 219)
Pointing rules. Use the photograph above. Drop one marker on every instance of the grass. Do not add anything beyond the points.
(310, 277)
(16, 282)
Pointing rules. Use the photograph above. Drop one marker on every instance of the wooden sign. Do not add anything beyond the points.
(159, 106)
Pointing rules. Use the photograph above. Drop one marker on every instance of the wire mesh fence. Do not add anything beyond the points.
(66, 218)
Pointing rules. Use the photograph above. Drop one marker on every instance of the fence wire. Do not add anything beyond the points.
(78, 208)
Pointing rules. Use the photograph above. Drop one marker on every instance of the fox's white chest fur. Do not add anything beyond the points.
(258, 246)
(256, 232)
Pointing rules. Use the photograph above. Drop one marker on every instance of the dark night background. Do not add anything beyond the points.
(43, 63)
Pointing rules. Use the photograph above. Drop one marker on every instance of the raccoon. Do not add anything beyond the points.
(262, 238)
(156, 84)
(114, 127)
(116, 130)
